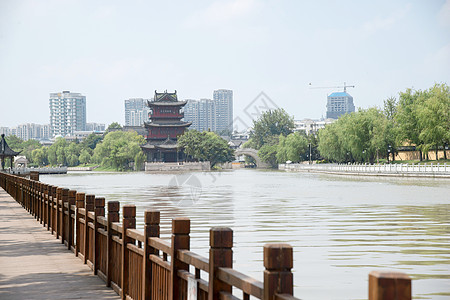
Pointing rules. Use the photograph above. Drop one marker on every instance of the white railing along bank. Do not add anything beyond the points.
(46, 170)
(378, 169)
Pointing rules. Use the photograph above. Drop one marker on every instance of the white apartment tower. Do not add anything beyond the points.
(224, 110)
(136, 111)
(202, 114)
(67, 113)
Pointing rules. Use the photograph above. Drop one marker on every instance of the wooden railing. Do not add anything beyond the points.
(139, 265)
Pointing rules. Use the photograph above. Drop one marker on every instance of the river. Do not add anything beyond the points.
(340, 227)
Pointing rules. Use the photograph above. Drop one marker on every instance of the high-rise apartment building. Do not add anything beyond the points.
(338, 104)
(67, 113)
(202, 114)
(95, 127)
(136, 111)
(214, 115)
(31, 131)
(224, 110)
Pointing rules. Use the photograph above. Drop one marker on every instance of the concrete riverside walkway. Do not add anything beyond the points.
(35, 265)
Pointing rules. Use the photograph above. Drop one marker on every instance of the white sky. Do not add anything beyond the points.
(113, 50)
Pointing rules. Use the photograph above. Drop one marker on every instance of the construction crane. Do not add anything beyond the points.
(345, 86)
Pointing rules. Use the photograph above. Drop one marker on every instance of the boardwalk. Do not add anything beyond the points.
(34, 265)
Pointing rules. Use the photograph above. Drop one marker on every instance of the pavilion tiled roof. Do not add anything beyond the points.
(5, 150)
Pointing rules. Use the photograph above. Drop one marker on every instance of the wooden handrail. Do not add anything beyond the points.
(159, 261)
(194, 259)
(102, 221)
(135, 234)
(116, 226)
(160, 244)
(243, 282)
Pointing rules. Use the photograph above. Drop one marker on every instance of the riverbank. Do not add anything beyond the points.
(389, 170)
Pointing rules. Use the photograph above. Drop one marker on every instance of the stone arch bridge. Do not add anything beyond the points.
(252, 153)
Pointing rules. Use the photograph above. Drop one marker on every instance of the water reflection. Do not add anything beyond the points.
(341, 227)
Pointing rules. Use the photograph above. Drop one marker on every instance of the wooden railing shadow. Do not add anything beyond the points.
(140, 265)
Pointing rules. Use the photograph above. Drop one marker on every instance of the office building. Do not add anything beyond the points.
(339, 103)
(67, 113)
(136, 112)
(224, 110)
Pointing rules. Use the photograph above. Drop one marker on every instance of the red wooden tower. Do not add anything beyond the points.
(164, 127)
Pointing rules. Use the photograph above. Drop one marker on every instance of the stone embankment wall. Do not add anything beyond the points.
(178, 166)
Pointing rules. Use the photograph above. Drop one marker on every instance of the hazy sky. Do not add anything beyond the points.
(113, 50)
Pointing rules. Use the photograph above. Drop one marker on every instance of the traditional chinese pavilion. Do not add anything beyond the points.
(164, 127)
(6, 152)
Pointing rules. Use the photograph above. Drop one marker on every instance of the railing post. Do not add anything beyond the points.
(53, 209)
(34, 175)
(42, 202)
(278, 278)
(151, 229)
(46, 205)
(220, 255)
(113, 216)
(39, 201)
(389, 285)
(80, 197)
(181, 227)
(58, 215)
(99, 211)
(89, 207)
(64, 225)
(128, 221)
(70, 223)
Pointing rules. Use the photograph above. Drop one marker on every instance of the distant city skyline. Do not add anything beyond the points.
(117, 52)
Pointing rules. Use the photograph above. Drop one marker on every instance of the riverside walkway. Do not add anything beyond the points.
(35, 265)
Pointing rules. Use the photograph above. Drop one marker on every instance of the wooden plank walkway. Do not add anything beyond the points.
(35, 265)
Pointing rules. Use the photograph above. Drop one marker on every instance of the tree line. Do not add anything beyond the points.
(115, 150)
(418, 119)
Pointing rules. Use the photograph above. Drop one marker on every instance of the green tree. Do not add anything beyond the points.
(14, 142)
(56, 153)
(293, 147)
(268, 154)
(270, 125)
(114, 126)
(331, 146)
(72, 152)
(118, 149)
(139, 160)
(206, 146)
(85, 156)
(92, 140)
(434, 118)
(407, 120)
(38, 156)
(390, 107)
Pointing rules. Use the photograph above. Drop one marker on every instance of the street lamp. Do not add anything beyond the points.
(310, 162)
(389, 153)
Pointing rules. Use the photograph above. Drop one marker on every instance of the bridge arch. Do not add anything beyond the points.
(252, 153)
